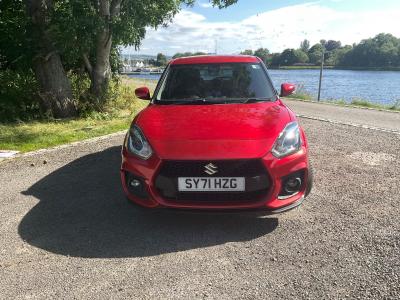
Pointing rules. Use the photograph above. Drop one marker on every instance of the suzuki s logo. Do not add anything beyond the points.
(211, 169)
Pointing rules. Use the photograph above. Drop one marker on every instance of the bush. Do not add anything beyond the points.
(18, 96)
(19, 100)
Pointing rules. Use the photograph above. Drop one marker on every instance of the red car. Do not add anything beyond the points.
(216, 136)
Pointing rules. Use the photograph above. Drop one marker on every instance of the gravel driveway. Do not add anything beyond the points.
(66, 230)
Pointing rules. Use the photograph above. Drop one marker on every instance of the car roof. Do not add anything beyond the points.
(214, 59)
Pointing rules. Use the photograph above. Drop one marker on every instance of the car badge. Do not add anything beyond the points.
(210, 169)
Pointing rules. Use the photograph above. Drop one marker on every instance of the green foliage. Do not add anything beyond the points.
(315, 54)
(381, 51)
(332, 45)
(247, 52)
(301, 93)
(275, 59)
(18, 96)
(305, 46)
(15, 43)
(301, 56)
(262, 53)
(161, 60)
(288, 57)
(116, 116)
(186, 54)
(73, 29)
(396, 105)
(334, 57)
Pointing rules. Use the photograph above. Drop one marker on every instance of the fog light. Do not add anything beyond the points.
(292, 185)
(134, 183)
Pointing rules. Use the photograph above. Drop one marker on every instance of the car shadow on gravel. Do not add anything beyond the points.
(82, 212)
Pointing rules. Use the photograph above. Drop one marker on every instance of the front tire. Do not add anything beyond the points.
(310, 180)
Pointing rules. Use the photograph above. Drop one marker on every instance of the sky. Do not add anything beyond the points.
(273, 24)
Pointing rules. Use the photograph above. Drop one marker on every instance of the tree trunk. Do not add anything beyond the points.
(101, 73)
(55, 87)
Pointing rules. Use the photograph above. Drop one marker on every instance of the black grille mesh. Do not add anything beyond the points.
(238, 168)
(226, 168)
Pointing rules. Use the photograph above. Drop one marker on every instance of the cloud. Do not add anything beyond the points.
(205, 5)
(276, 29)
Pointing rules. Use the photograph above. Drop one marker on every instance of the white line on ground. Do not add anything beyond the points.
(350, 124)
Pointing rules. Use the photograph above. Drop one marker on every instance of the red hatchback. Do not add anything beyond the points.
(216, 136)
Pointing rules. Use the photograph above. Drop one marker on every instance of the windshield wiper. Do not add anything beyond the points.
(192, 101)
(214, 101)
(255, 99)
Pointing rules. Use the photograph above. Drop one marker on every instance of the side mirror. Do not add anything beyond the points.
(287, 89)
(143, 93)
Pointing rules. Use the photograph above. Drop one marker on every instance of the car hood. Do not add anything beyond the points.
(219, 131)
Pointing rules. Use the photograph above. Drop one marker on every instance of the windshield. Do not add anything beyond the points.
(225, 82)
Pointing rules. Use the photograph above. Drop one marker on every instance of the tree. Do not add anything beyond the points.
(305, 45)
(381, 51)
(262, 53)
(275, 59)
(186, 54)
(55, 88)
(315, 54)
(288, 57)
(119, 22)
(161, 60)
(300, 56)
(64, 35)
(247, 52)
(332, 45)
(335, 57)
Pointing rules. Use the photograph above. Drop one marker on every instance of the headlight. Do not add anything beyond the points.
(288, 142)
(137, 143)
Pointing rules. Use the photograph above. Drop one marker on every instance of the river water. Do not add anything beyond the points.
(381, 87)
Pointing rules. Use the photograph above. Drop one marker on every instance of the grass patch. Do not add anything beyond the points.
(299, 67)
(354, 102)
(301, 93)
(301, 96)
(116, 116)
(365, 103)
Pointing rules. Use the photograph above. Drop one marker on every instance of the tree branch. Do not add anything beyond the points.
(88, 65)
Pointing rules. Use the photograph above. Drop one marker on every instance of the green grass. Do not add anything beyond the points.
(116, 116)
(354, 102)
(36, 135)
(366, 103)
(335, 68)
(300, 67)
(301, 94)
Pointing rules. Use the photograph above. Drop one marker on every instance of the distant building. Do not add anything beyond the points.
(130, 65)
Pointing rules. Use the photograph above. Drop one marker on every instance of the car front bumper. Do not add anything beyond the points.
(147, 172)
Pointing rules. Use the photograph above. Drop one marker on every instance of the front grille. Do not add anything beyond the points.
(257, 181)
(232, 168)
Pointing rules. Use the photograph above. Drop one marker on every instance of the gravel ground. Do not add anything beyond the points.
(66, 230)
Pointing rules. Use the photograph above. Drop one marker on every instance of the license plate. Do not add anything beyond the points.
(207, 184)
